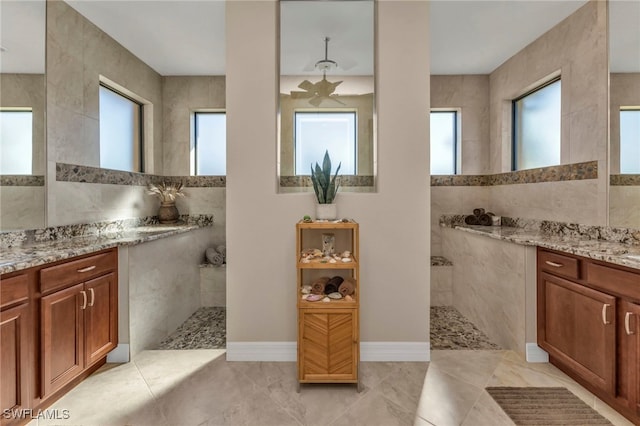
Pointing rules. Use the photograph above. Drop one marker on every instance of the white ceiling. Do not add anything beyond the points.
(185, 37)
(22, 34)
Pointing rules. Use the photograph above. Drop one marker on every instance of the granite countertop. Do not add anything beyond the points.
(618, 253)
(39, 253)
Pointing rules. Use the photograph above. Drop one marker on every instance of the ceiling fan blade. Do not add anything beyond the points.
(306, 85)
(301, 95)
(316, 101)
(335, 98)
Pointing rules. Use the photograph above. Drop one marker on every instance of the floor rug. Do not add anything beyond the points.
(545, 406)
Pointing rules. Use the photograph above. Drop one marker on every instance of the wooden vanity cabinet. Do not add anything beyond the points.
(57, 324)
(588, 320)
(78, 317)
(16, 363)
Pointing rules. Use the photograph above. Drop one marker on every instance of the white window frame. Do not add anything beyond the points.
(304, 169)
(193, 148)
(458, 137)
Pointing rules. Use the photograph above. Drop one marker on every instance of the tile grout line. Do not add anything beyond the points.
(153, 395)
(482, 389)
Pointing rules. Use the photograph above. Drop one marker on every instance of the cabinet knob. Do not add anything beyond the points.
(604, 314)
(627, 329)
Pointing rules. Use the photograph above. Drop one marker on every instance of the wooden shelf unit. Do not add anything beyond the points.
(328, 332)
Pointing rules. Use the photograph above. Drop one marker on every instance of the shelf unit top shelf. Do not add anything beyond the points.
(327, 225)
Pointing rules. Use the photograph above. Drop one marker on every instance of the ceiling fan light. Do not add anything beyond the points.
(326, 64)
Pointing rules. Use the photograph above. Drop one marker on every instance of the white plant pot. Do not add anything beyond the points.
(326, 211)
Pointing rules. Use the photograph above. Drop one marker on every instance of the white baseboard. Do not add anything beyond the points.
(262, 351)
(120, 354)
(287, 351)
(536, 354)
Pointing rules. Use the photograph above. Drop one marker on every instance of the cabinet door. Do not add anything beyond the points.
(62, 337)
(101, 324)
(629, 355)
(14, 359)
(579, 329)
(328, 345)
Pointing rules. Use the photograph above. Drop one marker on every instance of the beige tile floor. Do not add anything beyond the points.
(199, 387)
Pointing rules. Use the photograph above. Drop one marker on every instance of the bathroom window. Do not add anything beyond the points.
(120, 131)
(16, 141)
(630, 141)
(209, 143)
(318, 131)
(536, 127)
(444, 142)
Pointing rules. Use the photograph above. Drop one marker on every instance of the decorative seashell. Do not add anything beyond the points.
(326, 299)
(306, 260)
(317, 252)
(314, 297)
(345, 253)
(333, 261)
(334, 295)
(348, 298)
(304, 296)
(306, 289)
(346, 259)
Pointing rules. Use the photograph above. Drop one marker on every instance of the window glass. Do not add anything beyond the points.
(443, 142)
(209, 151)
(120, 132)
(317, 132)
(630, 141)
(16, 142)
(536, 136)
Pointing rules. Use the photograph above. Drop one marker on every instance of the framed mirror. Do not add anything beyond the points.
(624, 120)
(22, 114)
(327, 92)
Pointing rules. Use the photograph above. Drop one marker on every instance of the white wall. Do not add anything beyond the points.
(261, 282)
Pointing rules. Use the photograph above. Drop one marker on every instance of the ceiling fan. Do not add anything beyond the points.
(323, 89)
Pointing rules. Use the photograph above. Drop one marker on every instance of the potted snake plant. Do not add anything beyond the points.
(326, 188)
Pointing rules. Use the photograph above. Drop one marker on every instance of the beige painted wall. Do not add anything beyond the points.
(260, 222)
(577, 49)
(624, 90)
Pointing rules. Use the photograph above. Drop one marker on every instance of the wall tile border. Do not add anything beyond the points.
(21, 180)
(565, 172)
(624, 180)
(345, 181)
(86, 174)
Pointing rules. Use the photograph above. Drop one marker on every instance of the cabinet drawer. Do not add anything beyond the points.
(76, 271)
(14, 290)
(623, 283)
(559, 264)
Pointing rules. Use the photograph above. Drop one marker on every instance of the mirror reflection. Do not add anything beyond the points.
(624, 82)
(22, 114)
(327, 92)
